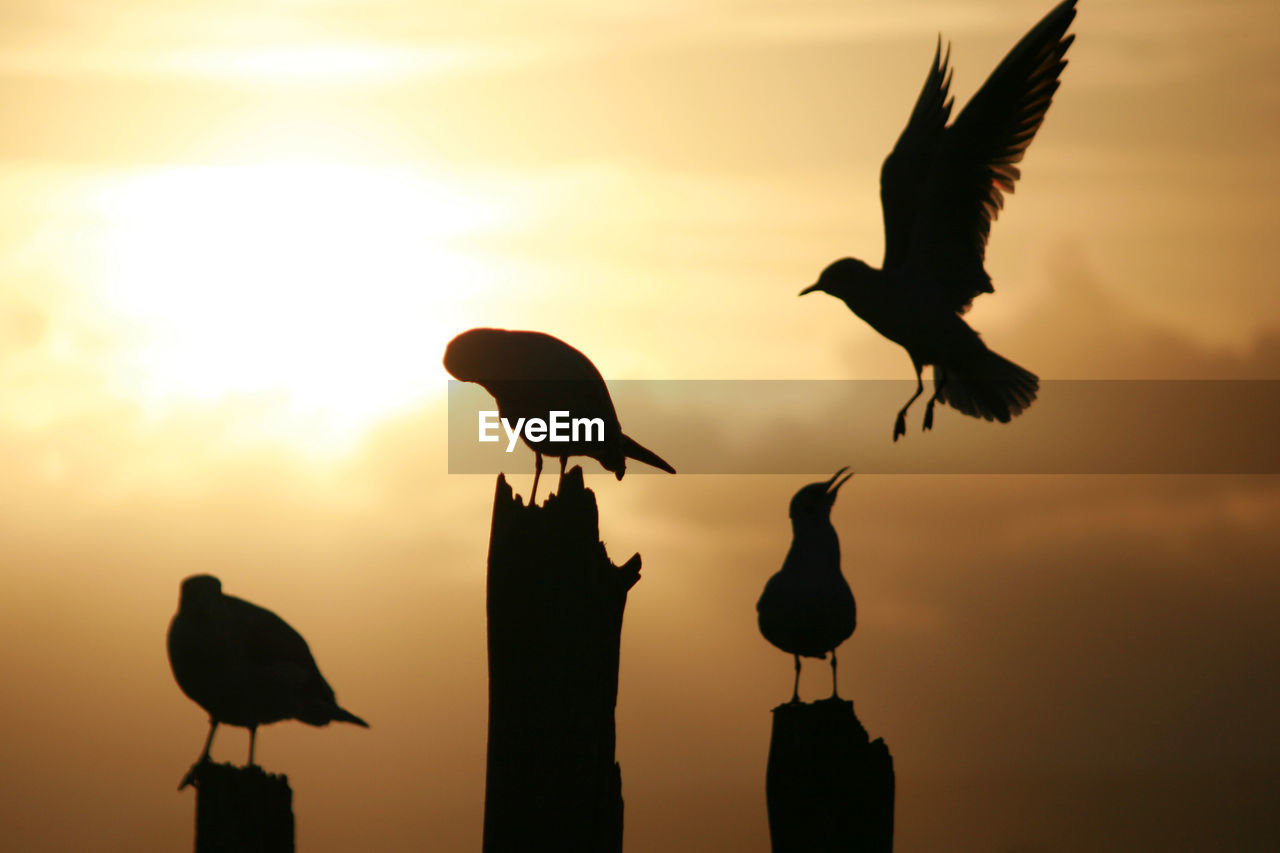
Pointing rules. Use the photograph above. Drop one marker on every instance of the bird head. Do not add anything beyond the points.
(844, 279)
(479, 355)
(816, 499)
(198, 591)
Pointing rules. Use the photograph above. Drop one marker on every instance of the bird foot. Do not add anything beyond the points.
(900, 426)
(193, 774)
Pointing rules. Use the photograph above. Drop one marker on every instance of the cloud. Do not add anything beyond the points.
(1082, 329)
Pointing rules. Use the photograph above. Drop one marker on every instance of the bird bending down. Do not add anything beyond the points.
(531, 375)
(807, 608)
(244, 665)
(941, 188)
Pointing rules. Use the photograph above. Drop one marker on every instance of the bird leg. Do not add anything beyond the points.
(563, 459)
(795, 691)
(190, 778)
(253, 737)
(834, 695)
(941, 377)
(900, 425)
(208, 742)
(537, 472)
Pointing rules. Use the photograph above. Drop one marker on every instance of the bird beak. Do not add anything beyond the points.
(810, 289)
(832, 489)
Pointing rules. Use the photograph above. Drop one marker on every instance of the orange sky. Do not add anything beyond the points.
(235, 238)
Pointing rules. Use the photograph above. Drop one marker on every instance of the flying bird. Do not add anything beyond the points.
(531, 375)
(941, 188)
(807, 608)
(244, 665)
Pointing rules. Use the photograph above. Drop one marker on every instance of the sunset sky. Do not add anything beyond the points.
(236, 236)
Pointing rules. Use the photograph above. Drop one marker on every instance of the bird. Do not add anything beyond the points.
(807, 607)
(941, 188)
(530, 375)
(244, 665)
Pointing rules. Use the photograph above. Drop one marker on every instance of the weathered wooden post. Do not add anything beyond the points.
(830, 788)
(555, 604)
(242, 810)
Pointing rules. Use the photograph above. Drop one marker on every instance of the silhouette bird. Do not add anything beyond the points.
(807, 608)
(532, 374)
(941, 188)
(244, 665)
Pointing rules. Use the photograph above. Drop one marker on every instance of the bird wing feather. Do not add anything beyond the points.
(974, 163)
(273, 648)
(902, 177)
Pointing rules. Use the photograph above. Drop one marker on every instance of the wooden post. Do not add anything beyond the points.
(242, 810)
(555, 605)
(830, 788)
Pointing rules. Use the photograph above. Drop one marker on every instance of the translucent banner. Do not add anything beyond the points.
(813, 427)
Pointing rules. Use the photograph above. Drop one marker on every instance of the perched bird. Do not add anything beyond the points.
(807, 608)
(244, 665)
(531, 375)
(941, 188)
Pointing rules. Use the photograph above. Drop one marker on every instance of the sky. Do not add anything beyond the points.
(235, 238)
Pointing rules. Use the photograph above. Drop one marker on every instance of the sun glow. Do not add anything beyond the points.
(326, 290)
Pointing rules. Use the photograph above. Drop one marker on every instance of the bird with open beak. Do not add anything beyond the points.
(807, 607)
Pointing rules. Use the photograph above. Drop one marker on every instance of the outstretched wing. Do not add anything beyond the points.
(902, 178)
(974, 164)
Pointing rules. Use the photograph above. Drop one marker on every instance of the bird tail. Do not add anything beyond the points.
(633, 450)
(985, 385)
(342, 715)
